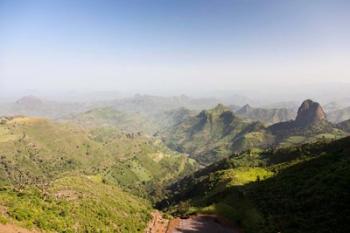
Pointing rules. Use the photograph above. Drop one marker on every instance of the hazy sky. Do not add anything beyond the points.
(172, 44)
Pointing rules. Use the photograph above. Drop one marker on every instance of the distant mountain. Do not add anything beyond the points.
(309, 125)
(294, 105)
(218, 132)
(332, 106)
(171, 118)
(265, 115)
(154, 104)
(339, 115)
(345, 125)
(131, 122)
(310, 114)
(144, 104)
(30, 101)
(34, 106)
(213, 134)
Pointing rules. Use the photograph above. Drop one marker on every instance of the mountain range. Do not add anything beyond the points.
(216, 133)
(267, 116)
(106, 167)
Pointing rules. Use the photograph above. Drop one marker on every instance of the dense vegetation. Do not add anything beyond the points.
(52, 174)
(298, 189)
(102, 170)
(75, 204)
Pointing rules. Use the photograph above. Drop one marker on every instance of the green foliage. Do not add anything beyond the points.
(300, 189)
(214, 134)
(76, 204)
(64, 178)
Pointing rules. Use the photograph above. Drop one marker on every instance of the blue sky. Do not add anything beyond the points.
(182, 44)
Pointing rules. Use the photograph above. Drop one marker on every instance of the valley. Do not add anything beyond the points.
(198, 223)
(160, 116)
(170, 170)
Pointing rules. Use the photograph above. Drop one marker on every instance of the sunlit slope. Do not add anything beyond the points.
(297, 189)
(40, 149)
(74, 204)
(66, 178)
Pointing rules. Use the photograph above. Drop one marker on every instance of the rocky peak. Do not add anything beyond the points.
(309, 113)
(245, 109)
(219, 109)
(215, 113)
(29, 101)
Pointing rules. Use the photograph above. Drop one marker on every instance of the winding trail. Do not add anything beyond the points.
(193, 224)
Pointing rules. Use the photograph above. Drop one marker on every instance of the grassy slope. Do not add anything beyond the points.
(307, 193)
(130, 122)
(75, 204)
(40, 149)
(37, 155)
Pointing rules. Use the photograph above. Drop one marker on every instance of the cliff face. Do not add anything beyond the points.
(309, 113)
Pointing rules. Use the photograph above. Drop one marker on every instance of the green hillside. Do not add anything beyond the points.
(131, 122)
(297, 189)
(217, 133)
(42, 160)
(74, 204)
(214, 134)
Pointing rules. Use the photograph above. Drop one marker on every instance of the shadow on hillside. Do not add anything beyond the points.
(202, 224)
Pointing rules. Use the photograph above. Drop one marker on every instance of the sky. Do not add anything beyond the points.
(172, 46)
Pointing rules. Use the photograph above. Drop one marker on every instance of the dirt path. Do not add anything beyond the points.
(158, 224)
(200, 224)
(10, 228)
(194, 224)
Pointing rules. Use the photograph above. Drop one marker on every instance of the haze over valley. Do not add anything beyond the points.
(174, 116)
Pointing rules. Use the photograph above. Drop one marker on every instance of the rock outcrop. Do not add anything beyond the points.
(309, 113)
